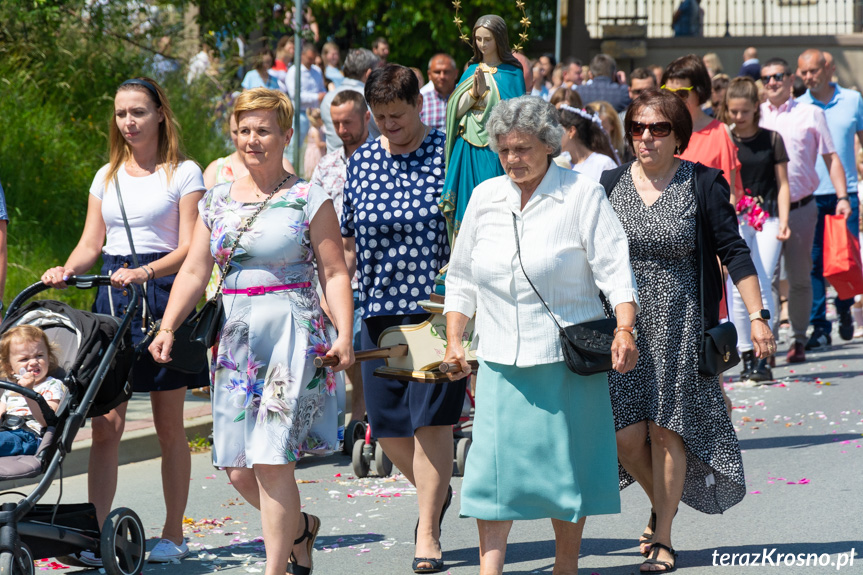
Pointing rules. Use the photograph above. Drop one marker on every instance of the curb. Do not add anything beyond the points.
(139, 442)
(136, 445)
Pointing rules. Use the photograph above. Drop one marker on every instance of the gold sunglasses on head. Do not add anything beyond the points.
(682, 93)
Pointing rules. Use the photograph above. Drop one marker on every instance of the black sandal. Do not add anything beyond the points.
(436, 565)
(308, 535)
(654, 550)
(646, 538)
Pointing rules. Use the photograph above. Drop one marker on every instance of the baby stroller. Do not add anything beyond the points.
(95, 356)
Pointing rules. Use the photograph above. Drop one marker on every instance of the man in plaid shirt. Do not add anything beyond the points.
(442, 74)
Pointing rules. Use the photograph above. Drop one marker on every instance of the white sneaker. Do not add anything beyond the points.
(167, 551)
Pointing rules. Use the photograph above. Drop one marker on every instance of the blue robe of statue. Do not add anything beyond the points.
(469, 159)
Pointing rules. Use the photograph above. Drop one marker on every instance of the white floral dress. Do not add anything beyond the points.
(270, 403)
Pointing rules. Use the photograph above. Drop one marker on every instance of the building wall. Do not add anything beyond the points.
(847, 49)
(847, 52)
(733, 17)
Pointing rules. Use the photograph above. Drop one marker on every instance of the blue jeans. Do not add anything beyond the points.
(18, 442)
(827, 206)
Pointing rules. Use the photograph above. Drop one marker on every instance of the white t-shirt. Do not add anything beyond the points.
(594, 165)
(152, 207)
(51, 389)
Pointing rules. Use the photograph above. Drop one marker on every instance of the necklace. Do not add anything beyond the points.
(276, 189)
(646, 178)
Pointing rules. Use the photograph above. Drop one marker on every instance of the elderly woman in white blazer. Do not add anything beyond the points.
(543, 437)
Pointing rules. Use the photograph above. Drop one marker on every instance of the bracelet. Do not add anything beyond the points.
(167, 330)
(151, 275)
(845, 198)
(626, 329)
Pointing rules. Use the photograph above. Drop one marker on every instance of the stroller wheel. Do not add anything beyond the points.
(21, 565)
(461, 450)
(123, 543)
(383, 465)
(355, 431)
(360, 464)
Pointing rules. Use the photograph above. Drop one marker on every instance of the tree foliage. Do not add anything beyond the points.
(60, 65)
(415, 29)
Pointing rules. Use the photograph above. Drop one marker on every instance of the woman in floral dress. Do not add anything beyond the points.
(270, 404)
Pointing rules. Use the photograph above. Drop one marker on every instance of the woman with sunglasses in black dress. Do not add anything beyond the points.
(674, 436)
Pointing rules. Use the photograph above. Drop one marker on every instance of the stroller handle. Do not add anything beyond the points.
(81, 282)
(88, 281)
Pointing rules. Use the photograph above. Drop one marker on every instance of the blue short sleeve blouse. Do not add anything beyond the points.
(391, 208)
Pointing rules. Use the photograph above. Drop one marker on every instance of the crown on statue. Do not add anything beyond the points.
(522, 36)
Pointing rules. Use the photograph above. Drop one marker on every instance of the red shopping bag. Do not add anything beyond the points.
(842, 265)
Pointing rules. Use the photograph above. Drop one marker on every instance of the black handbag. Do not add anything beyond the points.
(187, 356)
(717, 351)
(207, 321)
(586, 346)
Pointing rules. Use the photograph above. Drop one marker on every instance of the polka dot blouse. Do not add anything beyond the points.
(391, 208)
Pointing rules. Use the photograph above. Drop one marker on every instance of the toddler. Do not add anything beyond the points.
(26, 358)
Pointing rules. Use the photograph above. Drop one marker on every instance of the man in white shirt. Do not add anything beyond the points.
(312, 91)
(806, 136)
(350, 117)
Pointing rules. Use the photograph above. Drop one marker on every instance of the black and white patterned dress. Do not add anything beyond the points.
(665, 386)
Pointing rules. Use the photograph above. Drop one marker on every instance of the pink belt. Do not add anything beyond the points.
(261, 290)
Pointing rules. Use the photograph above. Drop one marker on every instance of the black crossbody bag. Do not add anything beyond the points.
(586, 346)
(717, 350)
(187, 355)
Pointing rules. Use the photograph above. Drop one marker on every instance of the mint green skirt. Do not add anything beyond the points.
(543, 446)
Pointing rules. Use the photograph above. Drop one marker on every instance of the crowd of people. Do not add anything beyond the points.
(684, 196)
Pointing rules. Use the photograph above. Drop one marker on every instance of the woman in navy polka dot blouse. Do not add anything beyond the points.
(396, 235)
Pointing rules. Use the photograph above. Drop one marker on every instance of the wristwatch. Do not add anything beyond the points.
(630, 330)
(760, 314)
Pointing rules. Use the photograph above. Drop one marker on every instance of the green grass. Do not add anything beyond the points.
(199, 444)
(56, 103)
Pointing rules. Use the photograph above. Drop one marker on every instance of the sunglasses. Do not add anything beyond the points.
(657, 129)
(778, 77)
(682, 93)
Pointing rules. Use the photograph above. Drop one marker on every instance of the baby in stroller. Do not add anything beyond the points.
(27, 356)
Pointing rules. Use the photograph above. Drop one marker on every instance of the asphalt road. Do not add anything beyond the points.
(803, 455)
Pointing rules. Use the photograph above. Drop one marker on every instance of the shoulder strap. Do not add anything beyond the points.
(126, 222)
(144, 311)
(518, 250)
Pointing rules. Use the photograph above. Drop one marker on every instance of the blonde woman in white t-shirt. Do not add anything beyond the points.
(160, 191)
